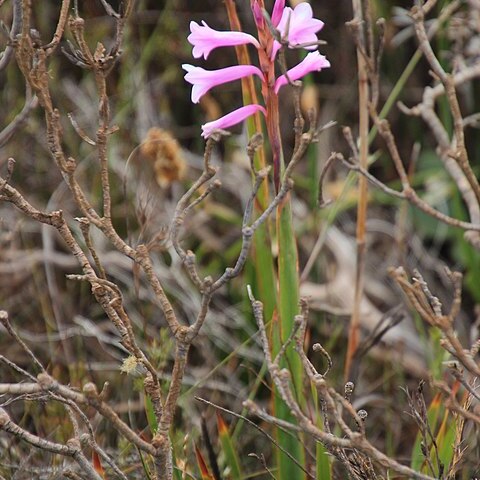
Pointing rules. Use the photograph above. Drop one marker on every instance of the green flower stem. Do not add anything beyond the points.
(288, 300)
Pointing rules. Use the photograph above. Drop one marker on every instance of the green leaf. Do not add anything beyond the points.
(445, 440)
(281, 327)
(324, 468)
(150, 413)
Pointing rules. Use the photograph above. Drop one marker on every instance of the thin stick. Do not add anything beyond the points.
(353, 334)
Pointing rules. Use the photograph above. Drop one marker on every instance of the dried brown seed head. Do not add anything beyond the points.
(164, 152)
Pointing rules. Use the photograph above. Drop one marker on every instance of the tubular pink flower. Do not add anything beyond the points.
(311, 63)
(300, 26)
(231, 119)
(205, 39)
(277, 12)
(203, 80)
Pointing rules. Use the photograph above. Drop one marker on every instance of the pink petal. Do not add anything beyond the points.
(205, 39)
(303, 11)
(311, 63)
(276, 47)
(203, 80)
(282, 24)
(231, 119)
(277, 12)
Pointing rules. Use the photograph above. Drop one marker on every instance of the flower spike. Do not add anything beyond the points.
(297, 28)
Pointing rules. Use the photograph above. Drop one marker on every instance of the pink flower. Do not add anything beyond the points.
(299, 26)
(302, 27)
(313, 62)
(231, 118)
(205, 39)
(203, 80)
(277, 12)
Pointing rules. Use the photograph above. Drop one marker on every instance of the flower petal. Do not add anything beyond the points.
(203, 80)
(277, 12)
(205, 39)
(303, 11)
(311, 63)
(230, 119)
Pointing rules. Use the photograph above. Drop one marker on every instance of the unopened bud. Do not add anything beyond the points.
(349, 388)
(363, 414)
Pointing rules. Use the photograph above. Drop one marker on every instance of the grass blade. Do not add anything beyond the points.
(229, 450)
(433, 413)
(445, 441)
(150, 414)
(97, 464)
(146, 470)
(288, 307)
(202, 465)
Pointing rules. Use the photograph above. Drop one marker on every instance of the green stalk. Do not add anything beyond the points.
(288, 307)
(288, 301)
